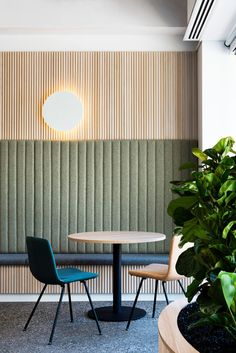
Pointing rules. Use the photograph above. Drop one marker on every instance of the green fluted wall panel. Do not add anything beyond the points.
(52, 189)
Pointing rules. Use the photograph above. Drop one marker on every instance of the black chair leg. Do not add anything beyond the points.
(56, 316)
(34, 308)
(181, 286)
(70, 303)
(155, 299)
(135, 301)
(164, 290)
(92, 307)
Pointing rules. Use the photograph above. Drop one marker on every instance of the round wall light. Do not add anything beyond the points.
(62, 111)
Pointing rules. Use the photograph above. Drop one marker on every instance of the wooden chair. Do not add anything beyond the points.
(160, 272)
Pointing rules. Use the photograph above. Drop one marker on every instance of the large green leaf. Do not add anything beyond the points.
(227, 199)
(221, 248)
(228, 283)
(229, 185)
(215, 292)
(224, 145)
(193, 289)
(186, 264)
(206, 304)
(231, 259)
(192, 230)
(212, 178)
(187, 188)
(211, 153)
(188, 165)
(199, 154)
(227, 162)
(181, 215)
(206, 257)
(184, 202)
(227, 229)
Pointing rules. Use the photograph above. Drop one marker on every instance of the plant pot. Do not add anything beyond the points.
(170, 339)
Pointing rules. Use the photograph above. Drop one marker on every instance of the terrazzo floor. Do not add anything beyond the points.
(81, 336)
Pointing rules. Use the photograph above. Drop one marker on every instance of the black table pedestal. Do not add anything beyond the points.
(106, 313)
(117, 312)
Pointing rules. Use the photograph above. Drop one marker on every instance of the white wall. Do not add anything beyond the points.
(217, 93)
(132, 42)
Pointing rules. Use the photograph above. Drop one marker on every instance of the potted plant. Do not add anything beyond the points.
(204, 213)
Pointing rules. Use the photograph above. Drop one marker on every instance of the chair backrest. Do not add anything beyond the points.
(175, 252)
(41, 260)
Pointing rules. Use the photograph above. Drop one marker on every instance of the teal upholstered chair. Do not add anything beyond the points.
(43, 268)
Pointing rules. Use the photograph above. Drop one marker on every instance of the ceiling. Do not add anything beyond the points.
(69, 16)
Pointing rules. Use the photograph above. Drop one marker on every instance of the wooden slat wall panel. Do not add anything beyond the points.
(51, 189)
(19, 280)
(125, 95)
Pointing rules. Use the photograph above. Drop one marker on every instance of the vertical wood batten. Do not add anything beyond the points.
(19, 280)
(125, 95)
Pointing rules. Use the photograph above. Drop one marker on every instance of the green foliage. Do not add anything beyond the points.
(204, 213)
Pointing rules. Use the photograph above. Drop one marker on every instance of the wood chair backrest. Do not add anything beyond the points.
(175, 252)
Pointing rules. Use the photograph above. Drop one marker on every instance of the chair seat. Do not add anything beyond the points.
(71, 274)
(155, 271)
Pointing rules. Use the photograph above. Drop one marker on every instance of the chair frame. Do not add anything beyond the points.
(175, 251)
(63, 285)
(155, 298)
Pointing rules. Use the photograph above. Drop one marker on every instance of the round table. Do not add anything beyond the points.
(117, 312)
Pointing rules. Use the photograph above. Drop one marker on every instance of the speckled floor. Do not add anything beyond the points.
(80, 336)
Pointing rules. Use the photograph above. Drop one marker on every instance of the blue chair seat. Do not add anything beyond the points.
(71, 274)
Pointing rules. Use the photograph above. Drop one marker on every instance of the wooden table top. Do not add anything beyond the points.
(117, 237)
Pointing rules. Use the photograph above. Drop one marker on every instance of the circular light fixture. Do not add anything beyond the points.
(62, 111)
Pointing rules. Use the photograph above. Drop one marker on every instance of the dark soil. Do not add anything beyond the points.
(205, 339)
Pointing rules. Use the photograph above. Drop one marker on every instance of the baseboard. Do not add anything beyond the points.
(82, 297)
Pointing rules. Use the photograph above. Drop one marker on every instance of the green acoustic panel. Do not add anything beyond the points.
(51, 189)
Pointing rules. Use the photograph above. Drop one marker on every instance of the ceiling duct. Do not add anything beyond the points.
(230, 41)
(198, 19)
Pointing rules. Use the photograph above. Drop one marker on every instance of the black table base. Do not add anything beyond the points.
(107, 313)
